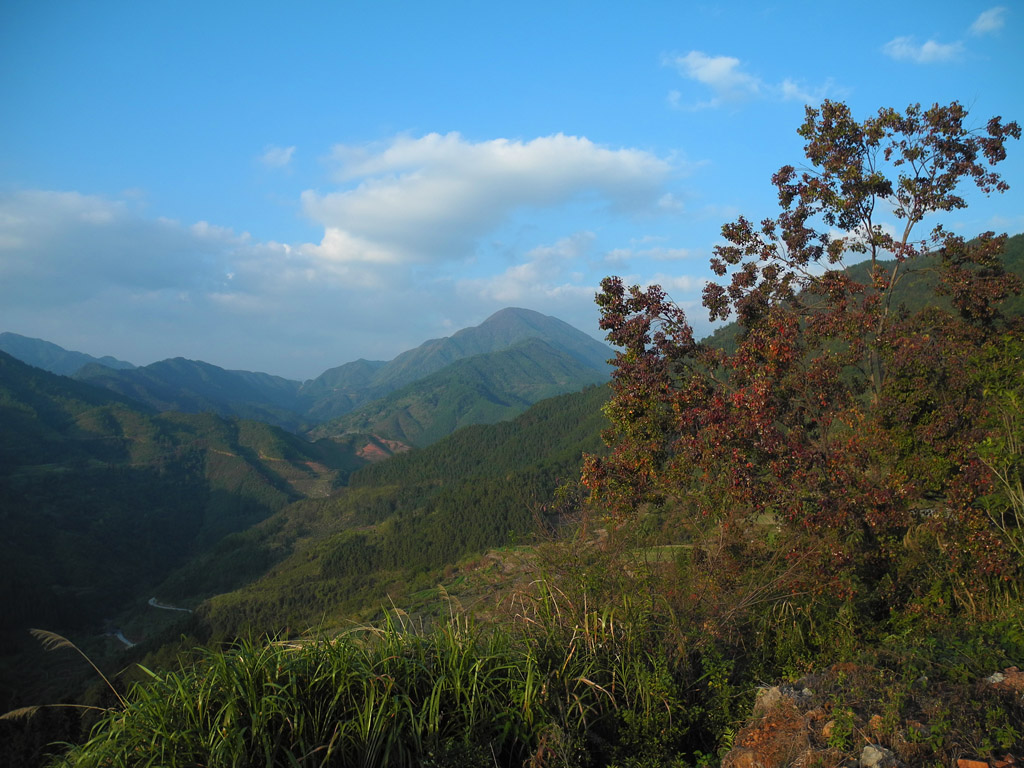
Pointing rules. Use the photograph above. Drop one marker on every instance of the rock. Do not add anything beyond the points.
(766, 700)
(875, 756)
(773, 740)
(742, 757)
(1011, 679)
(1014, 679)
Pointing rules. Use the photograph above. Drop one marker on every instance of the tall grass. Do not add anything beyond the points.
(544, 692)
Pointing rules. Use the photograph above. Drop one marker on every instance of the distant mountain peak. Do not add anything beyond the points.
(51, 357)
(520, 315)
(514, 312)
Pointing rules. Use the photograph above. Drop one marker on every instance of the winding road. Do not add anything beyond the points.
(156, 604)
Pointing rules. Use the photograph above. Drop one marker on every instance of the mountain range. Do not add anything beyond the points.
(481, 389)
(511, 360)
(52, 358)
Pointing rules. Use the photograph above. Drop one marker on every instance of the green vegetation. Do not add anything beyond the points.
(193, 386)
(101, 500)
(456, 695)
(482, 389)
(843, 465)
(400, 522)
(502, 330)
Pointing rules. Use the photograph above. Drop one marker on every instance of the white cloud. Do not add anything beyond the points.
(989, 21)
(408, 213)
(722, 74)
(905, 48)
(730, 83)
(669, 202)
(72, 242)
(277, 157)
(431, 199)
(548, 271)
(657, 253)
(340, 247)
(668, 254)
(680, 285)
(619, 256)
(791, 90)
(79, 266)
(95, 274)
(205, 229)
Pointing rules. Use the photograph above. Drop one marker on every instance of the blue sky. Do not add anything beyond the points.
(287, 187)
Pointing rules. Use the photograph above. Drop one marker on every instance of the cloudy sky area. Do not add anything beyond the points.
(287, 187)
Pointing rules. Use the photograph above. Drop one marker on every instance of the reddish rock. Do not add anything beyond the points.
(1011, 679)
(875, 724)
(1014, 678)
(772, 740)
(741, 757)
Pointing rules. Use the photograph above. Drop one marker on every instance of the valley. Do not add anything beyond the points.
(120, 483)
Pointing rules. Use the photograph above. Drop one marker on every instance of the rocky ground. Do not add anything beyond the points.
(856, 717)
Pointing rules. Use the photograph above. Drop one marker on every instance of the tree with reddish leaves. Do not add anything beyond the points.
(841, 418)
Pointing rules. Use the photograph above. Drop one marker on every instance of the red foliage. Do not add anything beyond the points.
(846, 418)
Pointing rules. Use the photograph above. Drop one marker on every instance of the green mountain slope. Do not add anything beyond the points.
(429, 507)
(338, 390)
(193, 386)
(500, 331)
(341, 390)
(481, 389)
(100, 498)
(53, 358)
(400, 519)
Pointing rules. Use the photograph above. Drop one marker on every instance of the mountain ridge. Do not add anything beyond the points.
(480, 389)
(195, 386)
(102, 496)
(499, 331)
(52, 357)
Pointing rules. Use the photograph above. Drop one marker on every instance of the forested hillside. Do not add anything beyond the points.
(192, 386)
(402, 520)
(482, 389)
(53, 358)
(102, 499)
